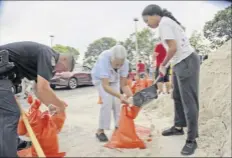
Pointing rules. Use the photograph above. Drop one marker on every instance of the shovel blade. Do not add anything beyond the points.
(145, 96)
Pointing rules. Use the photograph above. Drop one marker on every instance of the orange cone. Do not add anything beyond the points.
(125, 136)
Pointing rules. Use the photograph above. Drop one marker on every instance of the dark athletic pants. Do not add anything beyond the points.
(9, 117)
(185, 94)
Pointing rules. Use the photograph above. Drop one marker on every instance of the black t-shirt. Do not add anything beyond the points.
(32, 59)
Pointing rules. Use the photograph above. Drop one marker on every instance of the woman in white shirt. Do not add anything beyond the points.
(186, 67)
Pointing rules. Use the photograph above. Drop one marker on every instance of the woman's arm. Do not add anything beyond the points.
(172, 48)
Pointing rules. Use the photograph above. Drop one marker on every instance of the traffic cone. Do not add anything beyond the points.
(125, 136)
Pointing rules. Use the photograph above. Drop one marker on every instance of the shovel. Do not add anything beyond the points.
(146, 95)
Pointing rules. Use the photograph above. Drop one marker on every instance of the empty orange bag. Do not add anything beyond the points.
(125, 136)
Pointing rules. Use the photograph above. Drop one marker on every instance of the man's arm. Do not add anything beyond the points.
(123, 79)
(108, 89)
(46, 94)
(172, 48)
(125, 88)
(44, 74)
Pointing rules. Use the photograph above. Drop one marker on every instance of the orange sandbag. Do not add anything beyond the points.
(58, 155)
(137, 86)
(25, 152)
(125, 136)
(59, 120)
(99, 100)
(132, 112)
(133, 88)
(149, 82)
(28, 153)
(30, 99)
(21, 130)
(34, 117)
(47, 137)
(142, 84)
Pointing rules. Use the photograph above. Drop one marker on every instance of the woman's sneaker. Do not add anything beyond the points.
(173, 131)
(189, 148)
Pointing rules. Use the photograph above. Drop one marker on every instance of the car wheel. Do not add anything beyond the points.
(53, 86)
(72, 83)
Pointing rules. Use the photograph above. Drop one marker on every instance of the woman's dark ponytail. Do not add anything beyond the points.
(166, 13)
(154, 9)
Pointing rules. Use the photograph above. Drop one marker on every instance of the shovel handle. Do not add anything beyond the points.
(157, 79)
(34, 140)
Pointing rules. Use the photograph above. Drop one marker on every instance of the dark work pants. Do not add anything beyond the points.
(186, 95)
(9, 117)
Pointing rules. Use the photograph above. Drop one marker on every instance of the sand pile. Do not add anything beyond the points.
(215, 105)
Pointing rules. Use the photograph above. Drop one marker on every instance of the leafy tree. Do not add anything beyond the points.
(146, 43)
(199, 43)
(66, 49)
(96, 48)
(218, 30)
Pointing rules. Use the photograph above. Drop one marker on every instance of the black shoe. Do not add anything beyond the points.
(189, 148)
(102, 137)
(173, 131)
(24, 145)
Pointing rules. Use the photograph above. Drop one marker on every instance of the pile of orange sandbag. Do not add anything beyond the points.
(45, 127)
(136, 86)
(140, 84)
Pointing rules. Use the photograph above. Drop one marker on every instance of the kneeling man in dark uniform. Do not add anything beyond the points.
(36, 62)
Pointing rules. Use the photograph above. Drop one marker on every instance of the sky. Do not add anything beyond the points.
(79, 23)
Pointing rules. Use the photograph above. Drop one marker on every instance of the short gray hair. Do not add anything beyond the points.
(118, 52)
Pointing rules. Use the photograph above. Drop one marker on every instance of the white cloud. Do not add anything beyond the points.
(78, 23)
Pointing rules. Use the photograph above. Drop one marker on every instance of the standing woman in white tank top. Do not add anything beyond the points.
(186, 67)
